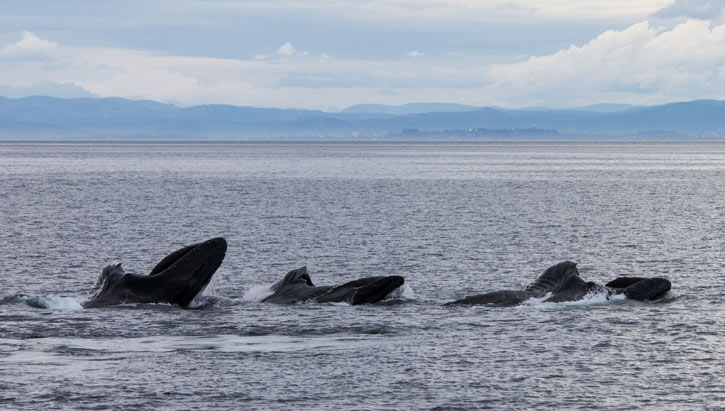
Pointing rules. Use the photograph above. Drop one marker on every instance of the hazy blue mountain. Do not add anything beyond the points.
(596, 108)
(688, 117)
(88, 118)
(607, 107)
(412, 108)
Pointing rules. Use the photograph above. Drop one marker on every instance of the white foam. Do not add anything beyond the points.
(340, 303)
(211, 288)
(258, 293)
(537, 301)
(54, 302)
(592, 298)
(200, 300)
(207, 294)
(671, 295)
(404, 292)
(44, 350)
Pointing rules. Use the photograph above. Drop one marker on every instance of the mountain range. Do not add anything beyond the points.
(43, 118)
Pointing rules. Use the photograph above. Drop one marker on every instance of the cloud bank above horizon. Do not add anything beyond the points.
(329, 55)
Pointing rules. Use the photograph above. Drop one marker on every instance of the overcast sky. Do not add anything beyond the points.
(327, 54)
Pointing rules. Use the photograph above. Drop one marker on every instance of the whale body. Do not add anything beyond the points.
(176, 279)
(564, 283)
(296, 286)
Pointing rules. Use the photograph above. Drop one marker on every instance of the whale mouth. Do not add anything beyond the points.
(191, 269)
(641, 289)
(377, 290)
(177, 279)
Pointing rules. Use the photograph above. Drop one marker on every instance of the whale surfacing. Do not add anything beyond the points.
(641, 289)
(176, 279)
(564, 283)
(297, 286)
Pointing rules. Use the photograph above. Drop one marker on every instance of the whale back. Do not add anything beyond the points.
(557, 279)
(504, 298)
(623, 282)
(363, 291)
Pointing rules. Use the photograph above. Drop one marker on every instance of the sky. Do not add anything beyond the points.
(331, 54)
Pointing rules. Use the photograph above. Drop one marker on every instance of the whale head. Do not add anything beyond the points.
(108, 271)
(299, 276)
(177, 279)
(185, 273)
(557, 278)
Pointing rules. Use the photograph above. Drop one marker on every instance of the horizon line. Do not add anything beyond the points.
(473, 107)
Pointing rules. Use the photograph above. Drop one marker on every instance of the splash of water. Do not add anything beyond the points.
(592, 298)
(404, 292)
(54, 302)
(258, 293)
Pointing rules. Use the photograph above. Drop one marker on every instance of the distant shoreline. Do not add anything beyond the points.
(45, 118)
(381, 142)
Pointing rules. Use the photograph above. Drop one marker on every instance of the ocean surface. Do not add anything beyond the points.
(454, 218)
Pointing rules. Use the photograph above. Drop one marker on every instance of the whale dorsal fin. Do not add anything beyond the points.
(556, 278)
(298, 275)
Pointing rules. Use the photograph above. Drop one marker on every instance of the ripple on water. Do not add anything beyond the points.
(454, 219)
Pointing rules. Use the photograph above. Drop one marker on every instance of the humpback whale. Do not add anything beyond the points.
(176, 279)
(640, 288)
(297, 286)
(564, 283)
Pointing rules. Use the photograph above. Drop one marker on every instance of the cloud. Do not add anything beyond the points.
(45, 88)
(29, 47)
(149, 83)
(464, 9)
(638, 64)
(400, 75)
(414, 53)
(698, 9)
(286, 50)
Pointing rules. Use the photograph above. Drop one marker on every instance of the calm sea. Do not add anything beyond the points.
(454, 219)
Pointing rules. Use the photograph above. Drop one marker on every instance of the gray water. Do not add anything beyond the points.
(454, 219)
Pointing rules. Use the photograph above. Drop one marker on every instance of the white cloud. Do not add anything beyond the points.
(639, 64)
(286, 50)
(414, 53)
(45, 88)
(471, 9)
(699, 9)
(29, 47)
(148, 83)
(591, 8)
